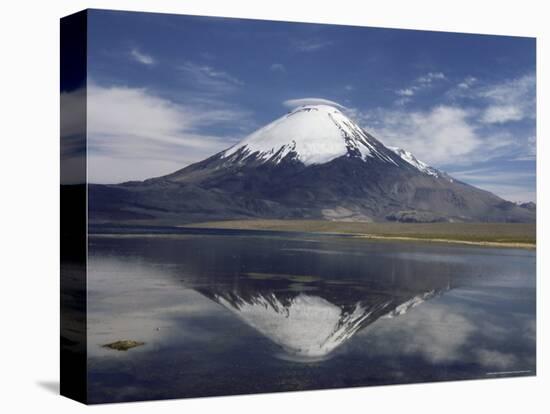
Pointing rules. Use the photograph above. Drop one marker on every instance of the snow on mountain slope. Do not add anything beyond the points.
(308, 327)
(415, 162)
(313, 134)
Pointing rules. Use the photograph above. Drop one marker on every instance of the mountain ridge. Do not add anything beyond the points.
(313, 162)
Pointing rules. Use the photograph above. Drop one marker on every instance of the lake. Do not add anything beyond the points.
(235, 312)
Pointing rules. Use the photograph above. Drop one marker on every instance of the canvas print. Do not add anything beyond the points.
(255, 206)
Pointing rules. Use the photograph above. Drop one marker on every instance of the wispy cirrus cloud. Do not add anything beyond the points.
(529, 152)
(512, 185)
(210, 79)
(509, 101)
(519, 193)
(277, 67)
(142, 58)
(491, 174)
(419, 84)
(310, 45)
(136, 134)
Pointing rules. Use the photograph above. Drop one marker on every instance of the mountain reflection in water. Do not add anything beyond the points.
(240, 313)
(310, 325)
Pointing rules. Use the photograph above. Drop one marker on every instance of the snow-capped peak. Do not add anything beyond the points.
(311, 134)
(415, 162)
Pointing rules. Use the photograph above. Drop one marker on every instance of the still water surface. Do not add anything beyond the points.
(240, 312)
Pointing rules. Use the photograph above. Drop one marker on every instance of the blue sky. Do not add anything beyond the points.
(166, 90)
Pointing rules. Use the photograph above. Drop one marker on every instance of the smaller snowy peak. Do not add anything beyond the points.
(404, 307)
(529, 205)
(311, 134)
(415, 162)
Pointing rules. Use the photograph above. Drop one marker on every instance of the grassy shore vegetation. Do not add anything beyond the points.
(491, 234)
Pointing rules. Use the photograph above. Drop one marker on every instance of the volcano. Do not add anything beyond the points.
(312, 163)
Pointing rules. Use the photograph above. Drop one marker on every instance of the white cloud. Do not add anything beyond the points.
(73, 112)
(499, 114)
(419, 84)
(447, 136)
(402, 101)
(466, 131)
(73, 136)
(467, 83)
(440, 334)
(134, 112)
(511, 90)
(509, 101)
(463, 329)
(277, 67)
(496, 359)
(134, 134)
(517, 193)
(439, 136)
(142, 57)
(293, 103)
(430, 77)
(405, 92)
(144, 309)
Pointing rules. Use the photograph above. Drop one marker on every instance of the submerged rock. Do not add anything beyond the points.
(123, 345)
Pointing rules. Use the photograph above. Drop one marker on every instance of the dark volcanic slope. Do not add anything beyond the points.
(284, 171)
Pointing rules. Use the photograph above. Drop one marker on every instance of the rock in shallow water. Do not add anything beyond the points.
(123, 345)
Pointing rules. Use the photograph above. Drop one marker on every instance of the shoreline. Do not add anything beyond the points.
(510, 245)
(513, 245)
(505, 235)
